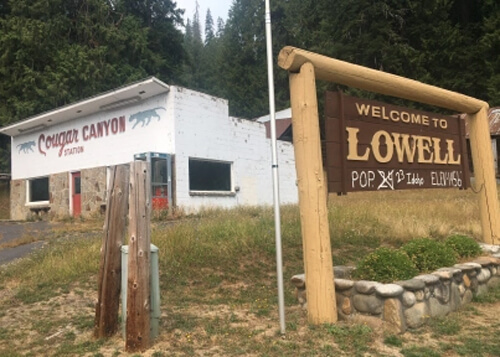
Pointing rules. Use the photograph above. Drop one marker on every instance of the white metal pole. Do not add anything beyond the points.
(277, 220)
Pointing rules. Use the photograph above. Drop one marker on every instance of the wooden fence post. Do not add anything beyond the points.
(106, 316)
(321, 304)
(138, 289)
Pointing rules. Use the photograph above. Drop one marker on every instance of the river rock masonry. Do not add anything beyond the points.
(407, 304)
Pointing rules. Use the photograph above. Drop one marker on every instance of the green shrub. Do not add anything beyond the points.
(428, 254)
(385, 265)
(464, 246)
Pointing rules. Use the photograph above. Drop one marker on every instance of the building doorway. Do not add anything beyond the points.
(76, 184)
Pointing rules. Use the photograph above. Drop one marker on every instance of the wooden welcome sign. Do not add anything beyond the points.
(373, 146)
(304, 69)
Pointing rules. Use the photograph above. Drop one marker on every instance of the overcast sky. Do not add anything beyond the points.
(218, 8)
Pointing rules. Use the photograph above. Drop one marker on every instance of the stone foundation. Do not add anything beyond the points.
(407, 304)
(93, 196)
(18, 209)
(94, 187)
(59, 195)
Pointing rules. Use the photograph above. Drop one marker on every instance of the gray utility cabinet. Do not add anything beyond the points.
(154, 282)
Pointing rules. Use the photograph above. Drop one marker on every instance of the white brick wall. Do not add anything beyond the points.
(204, 130)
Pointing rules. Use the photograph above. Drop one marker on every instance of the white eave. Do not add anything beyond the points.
(127, 95)
(282, 114)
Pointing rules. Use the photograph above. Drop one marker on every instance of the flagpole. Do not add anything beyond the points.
(277, 222)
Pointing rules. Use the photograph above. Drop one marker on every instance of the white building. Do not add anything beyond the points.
(200, 157)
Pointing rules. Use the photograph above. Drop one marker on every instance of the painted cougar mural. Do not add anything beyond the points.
(26, 147)
(144, 117)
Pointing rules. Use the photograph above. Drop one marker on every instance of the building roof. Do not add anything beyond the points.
(494, 120)
(283, 124)
(282, 114)
(129, 94)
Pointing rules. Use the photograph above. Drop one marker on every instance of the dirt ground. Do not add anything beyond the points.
(69, 317)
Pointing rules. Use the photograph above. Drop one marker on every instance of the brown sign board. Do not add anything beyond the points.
(373, 146)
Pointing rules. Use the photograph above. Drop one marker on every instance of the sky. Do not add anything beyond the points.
(218, 8)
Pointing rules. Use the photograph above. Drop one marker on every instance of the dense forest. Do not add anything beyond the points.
(54, 52)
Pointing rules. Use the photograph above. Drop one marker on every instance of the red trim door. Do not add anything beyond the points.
(76, 194)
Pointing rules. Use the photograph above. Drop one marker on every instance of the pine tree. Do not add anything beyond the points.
(193, 45)
(54, 52)
(160, 19)
(209, 28)
(220, 27)
(490, 42)
(244, 70)
(211, 59)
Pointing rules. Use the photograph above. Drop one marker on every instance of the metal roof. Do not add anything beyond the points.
(126, 95)
(282, 126)
(494, 120)
(282, 114)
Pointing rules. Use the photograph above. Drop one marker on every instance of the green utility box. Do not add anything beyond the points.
(154, 283)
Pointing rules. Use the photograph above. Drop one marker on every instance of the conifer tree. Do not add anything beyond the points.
(209, 27)
(244, 70)
(53, 52)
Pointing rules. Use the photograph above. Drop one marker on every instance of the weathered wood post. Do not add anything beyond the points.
(106, 317)
(321, 304)
(138, 289)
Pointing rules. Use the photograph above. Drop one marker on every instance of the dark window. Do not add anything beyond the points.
(78, 185)
(39, 189)
(159, 170)
(159, 178)
(205, 175)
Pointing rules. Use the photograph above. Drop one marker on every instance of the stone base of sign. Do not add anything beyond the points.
(408, 304)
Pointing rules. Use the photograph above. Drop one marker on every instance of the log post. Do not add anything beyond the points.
(484, 174)
(321, 304)
(108, 291)
(138, 289)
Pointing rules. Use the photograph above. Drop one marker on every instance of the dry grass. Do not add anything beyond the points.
(218, 283)
(403, 215)
(25, 239)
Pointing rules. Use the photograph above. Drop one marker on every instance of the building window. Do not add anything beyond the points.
(207, 175)
(159, 178)
(38, 190)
